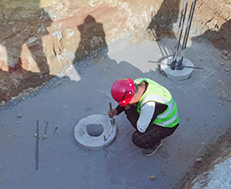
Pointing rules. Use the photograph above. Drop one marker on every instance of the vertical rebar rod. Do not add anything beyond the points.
(176, 52)
(192, 10)
(181, 17)
(180, 37)
(178, 32)
(185, 35)
(37, 146)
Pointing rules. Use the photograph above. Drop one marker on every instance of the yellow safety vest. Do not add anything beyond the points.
(157, 93)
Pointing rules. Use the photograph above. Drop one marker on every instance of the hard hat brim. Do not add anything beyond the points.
(125, 102)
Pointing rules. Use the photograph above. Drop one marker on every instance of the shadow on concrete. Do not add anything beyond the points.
(93, 41)
(61, 163)
(161, 25)
(73, 101)
(92, 50)
(162, 22)
(91, 61)
(220, 39)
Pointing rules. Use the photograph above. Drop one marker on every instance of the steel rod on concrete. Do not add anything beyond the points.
(56, 128)
(37, 146)
(45, 131)
(194, 67)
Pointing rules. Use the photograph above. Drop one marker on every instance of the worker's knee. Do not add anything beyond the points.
(138, 140)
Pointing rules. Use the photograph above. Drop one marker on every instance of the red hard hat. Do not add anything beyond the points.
(122, 91)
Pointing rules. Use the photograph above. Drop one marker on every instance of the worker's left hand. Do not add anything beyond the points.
(112, 113)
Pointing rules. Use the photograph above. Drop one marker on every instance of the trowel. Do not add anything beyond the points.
(112, 119)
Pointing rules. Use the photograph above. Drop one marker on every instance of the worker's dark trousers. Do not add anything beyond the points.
(152, 135)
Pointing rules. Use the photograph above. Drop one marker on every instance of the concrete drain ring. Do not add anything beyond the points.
(95, 132)
(178, 75)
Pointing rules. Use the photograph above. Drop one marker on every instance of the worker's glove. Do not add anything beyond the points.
(112, 113)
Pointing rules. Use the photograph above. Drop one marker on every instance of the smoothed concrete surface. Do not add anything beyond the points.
(63, 102)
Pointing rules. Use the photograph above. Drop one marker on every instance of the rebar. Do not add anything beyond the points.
(179, 52)
(189, 23)
(37, 146)
(193, 67)
(179, 35)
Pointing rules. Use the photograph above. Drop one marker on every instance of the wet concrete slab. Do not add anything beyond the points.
(65, 100)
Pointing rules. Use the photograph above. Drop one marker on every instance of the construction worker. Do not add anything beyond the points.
(149, 107)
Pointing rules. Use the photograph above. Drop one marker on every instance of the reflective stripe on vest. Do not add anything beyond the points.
(157, 93)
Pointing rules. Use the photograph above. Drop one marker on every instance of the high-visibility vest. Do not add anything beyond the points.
(157, 93)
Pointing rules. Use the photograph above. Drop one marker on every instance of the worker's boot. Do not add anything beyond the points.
(151, 151)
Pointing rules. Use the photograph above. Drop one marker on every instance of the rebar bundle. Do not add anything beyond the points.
(181, 44)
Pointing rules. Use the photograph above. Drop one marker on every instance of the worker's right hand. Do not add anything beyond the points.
(112, 113)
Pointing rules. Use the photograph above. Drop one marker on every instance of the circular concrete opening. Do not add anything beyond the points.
(94, 130)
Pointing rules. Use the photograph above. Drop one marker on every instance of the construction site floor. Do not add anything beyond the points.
(204, 108)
